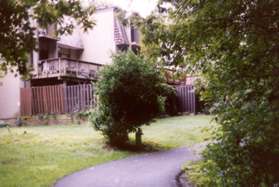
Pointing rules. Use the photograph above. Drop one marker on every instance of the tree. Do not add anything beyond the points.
(17, 31)
(235, 44)
(159, 42)
(130, 94)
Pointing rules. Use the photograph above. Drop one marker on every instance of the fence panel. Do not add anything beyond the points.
(25, 101)
(79, 97)
(186, 98)
(61, 99)
(56, 99)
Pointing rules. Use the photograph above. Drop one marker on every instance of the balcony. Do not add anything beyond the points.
(65, 67)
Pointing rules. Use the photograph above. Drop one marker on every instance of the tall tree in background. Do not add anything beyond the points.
(17, 30)
(159, 38)
(160, 43)
(235, 44)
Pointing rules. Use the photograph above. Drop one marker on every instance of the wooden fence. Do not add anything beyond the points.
(57, 99)
(79, 97)
(186, 98)
(62, 99)
(25, 101)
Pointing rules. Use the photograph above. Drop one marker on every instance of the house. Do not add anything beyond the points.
(69, 59)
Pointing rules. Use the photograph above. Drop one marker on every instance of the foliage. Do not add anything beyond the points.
(235, 45)
(158, 38)
(85, 114)
(171, 103)
(160, 44)
(205, 101)
(130, 94)
(194, 172)
(18, 27)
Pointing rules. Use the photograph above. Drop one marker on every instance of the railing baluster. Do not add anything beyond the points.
(59, 67)
(62, 66)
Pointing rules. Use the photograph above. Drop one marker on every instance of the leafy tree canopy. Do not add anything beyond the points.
(159, 41)
(130, 94)
(235, 44)
(158, 36)
(17, 31)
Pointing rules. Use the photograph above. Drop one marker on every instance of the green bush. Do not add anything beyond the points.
(204, 102)
(239, 59)
(171, 102)
(130, 93)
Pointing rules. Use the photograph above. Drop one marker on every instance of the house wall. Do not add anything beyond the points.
(10, 96)
(99, 42)
(72, 39)
(98, 45)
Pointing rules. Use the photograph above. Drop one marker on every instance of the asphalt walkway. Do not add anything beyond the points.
(158, 169)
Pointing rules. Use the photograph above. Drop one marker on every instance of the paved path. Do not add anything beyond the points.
(157, 169)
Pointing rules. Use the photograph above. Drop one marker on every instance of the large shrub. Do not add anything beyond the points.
(130, 94)
(235, 46)
(171, 102)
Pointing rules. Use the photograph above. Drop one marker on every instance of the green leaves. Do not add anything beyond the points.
(131, 93)
(234, 44)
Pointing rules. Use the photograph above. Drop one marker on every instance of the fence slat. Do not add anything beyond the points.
(25, 101)
(56, 99)
(66, 99)
(186, 98)
(65, 95)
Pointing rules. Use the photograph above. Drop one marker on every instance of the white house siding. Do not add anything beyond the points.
(10, 96)
(72, 40)
(98, 43)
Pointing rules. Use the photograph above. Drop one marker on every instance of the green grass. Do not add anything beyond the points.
(39, 155)
(178, 131)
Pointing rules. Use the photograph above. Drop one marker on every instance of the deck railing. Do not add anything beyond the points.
(66, 67)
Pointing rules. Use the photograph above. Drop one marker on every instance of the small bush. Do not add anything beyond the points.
(171, 104)
(130, 94)
(195, 174)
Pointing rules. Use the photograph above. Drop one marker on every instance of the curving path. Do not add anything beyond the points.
(157, 169)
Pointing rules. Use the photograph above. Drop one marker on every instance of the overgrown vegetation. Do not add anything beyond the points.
(131, 92)
(234, 45)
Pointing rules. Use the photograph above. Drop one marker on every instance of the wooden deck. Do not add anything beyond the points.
(65, 67)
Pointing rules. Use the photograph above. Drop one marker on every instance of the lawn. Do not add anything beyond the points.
(39, 155)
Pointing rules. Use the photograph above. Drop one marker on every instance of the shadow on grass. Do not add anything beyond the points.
(146, 147)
